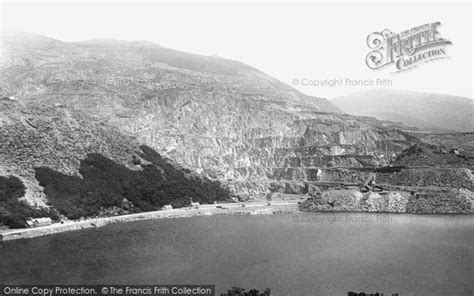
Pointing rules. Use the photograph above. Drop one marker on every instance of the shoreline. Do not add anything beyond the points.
(203, 210)
(252, 208)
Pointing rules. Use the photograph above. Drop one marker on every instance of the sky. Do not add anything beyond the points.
(302, 44)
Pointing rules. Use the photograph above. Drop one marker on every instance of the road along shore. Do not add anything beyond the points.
(203, 210)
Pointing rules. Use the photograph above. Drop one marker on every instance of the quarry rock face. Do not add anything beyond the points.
(432, 180)
(434, 202)
(221, 118)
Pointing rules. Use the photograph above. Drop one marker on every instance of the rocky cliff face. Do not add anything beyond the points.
(422, 179)
(224, 119)
(430, 202)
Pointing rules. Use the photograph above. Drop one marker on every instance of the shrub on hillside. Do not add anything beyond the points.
(13, 212)
(105, 184)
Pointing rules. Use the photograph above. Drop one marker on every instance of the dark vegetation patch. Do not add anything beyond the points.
(13, 212)
(237, 291)
(105, 184)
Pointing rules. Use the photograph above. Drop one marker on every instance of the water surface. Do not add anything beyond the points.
(295, 254)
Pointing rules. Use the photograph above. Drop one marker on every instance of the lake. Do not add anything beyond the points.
(292, 254)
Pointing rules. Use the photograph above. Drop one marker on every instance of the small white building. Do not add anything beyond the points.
(167, 207)
(38, 222)
(195, 205)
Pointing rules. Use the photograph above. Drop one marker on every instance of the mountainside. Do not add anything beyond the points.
(133, 69)
(63, 162)
(430, 112)
(221, 118)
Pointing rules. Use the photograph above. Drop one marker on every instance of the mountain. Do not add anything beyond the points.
(102, 63)
(221, 118)
(106, 126)
(430, 112)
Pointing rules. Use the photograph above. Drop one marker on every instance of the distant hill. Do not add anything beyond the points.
(430, 112)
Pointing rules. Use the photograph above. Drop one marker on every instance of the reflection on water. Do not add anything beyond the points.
(297, 254)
